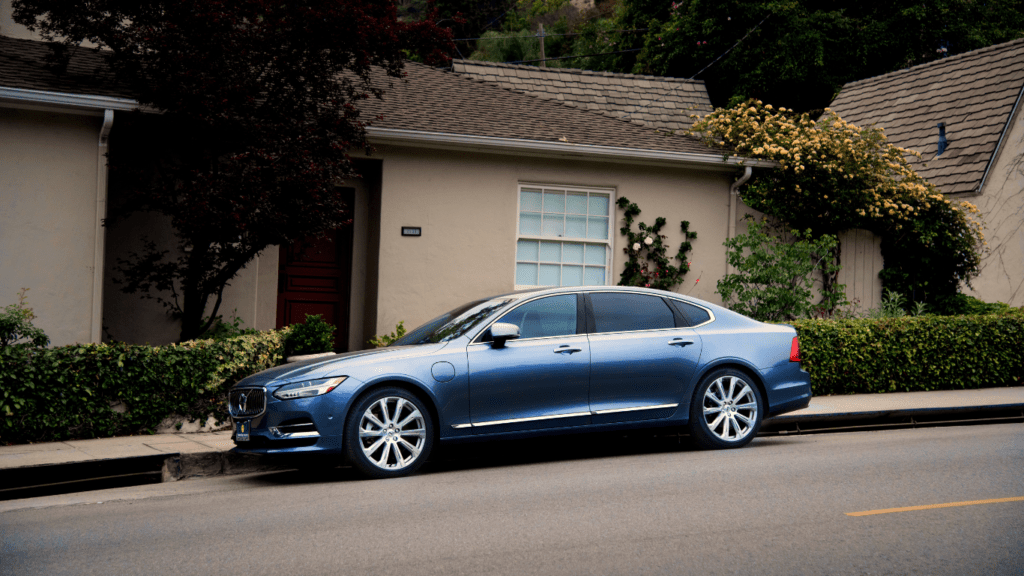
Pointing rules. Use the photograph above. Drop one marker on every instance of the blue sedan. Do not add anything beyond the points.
(547, 361)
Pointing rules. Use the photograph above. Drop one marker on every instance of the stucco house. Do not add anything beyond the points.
(475, 188)
(962, 114)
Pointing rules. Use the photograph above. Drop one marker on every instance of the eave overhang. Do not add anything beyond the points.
(85, 104)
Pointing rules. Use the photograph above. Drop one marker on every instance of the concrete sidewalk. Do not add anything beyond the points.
(207, 454)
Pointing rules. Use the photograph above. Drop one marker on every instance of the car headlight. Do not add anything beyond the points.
(308, 389)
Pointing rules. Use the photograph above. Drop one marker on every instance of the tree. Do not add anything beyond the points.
(260, 100)
(799, 53)
(834, 176)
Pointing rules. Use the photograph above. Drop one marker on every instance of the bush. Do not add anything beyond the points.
(311, 337)
(386, 339)
(100, 390)
(913, 353)
(773, 278)
(221, 330)
(16, 328)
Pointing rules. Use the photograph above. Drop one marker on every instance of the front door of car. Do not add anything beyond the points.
(642, 358)
(539, 380)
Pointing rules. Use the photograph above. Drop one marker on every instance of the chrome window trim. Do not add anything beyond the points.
(476, 339)
(634, 409)
(266, 401)
(570, 415)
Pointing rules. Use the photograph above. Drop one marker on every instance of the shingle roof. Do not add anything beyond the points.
(433, 100)
(22, 65)
(428, 100)
(652, 101)
(973, 93)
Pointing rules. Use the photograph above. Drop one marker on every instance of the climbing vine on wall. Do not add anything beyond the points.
(648, 264)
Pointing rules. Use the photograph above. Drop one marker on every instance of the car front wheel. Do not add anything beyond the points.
(389, 433)
(726, 410)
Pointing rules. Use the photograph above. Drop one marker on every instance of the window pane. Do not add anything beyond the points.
(553, 225)
(694, 314)
(526, 274)
(554, 202)
(576, 203)
(594, 276)
(575, 226)
(549, 275)
(626, 312)
(598, 229)
(526, 250)
(598, 205)
(572, 275)
(554, 316)
(529, 200)
(550, 252)
(597, 255)
(529, 224)
(572, 253)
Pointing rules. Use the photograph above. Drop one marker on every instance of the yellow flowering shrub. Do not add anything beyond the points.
(834, 176)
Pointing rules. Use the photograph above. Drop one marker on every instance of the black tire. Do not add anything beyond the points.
(735, 419)
(397, 444)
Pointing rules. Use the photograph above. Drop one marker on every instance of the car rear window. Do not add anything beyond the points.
(694, 315)
(615, 312)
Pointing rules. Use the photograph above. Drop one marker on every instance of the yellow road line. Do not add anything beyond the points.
(931, 506)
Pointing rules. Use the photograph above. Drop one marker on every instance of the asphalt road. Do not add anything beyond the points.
(638, 505)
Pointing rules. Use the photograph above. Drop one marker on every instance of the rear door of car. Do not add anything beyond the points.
(643, 356)
(539, 380)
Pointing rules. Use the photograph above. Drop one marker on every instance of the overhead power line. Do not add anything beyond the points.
(572, 57)
(544, 35)
(730, 49)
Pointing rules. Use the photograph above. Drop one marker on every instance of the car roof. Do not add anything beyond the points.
(529, 292)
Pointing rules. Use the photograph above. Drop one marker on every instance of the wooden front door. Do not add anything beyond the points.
(315, 277)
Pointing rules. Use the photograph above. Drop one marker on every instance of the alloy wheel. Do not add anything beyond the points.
(730, 408)
(392, 433)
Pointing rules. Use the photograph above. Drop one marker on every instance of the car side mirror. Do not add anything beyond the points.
(502, 332)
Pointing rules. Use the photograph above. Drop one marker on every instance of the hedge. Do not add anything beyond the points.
(100, 390)
(913, 353)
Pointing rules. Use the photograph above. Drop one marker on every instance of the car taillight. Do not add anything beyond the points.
(794, 351)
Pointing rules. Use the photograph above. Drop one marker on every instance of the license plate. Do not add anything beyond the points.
(241, 431)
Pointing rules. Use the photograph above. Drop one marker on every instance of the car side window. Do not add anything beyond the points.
(551, 316)
(615, 312)
(694, 315)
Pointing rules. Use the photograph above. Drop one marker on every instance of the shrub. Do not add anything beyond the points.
(16, 328)
(907, 354)
(638, 270)
(99, 390)
(387, 339)
(221, 330)
(773, 277)
(311, 337)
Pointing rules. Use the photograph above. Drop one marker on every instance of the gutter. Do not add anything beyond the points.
(545, 148)
(63, 101)
(734, 194)
(1002, 136)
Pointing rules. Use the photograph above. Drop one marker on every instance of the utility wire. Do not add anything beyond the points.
(545, 35)
(730, 49)
(572, 57)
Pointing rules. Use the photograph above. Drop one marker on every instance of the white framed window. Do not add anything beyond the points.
(564, 236)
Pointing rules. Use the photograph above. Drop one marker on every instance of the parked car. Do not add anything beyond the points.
(547, 361)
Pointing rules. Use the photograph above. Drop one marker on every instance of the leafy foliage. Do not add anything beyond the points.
(313, 336)
(913, 353)
(773, 278)
(648, 264)
(222, 330)
(259, 103)
(834, 176)
(100, 390)
(16, 328)
(386, 339)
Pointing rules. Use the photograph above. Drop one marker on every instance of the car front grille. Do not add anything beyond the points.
(247, 402)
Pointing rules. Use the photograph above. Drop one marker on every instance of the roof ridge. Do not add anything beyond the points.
(576, 71)
(942, 62)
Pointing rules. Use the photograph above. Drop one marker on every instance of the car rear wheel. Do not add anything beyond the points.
(726, 410)
(389, 433)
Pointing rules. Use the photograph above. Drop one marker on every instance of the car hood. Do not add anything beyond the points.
(336, 365)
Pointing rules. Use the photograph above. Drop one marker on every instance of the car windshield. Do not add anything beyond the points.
(453, 324)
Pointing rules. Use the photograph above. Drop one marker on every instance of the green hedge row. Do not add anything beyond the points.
(100, 390)
(913, 353)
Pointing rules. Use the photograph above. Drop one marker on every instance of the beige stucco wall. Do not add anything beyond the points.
(466, 204)
(1002, 206)
(48, 214)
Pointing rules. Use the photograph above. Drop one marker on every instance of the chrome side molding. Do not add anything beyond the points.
(554, 416)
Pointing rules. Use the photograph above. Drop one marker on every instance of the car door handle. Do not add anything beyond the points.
(679, 342)
(567, 348)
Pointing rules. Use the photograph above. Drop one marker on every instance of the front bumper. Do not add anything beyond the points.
(302, 425)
